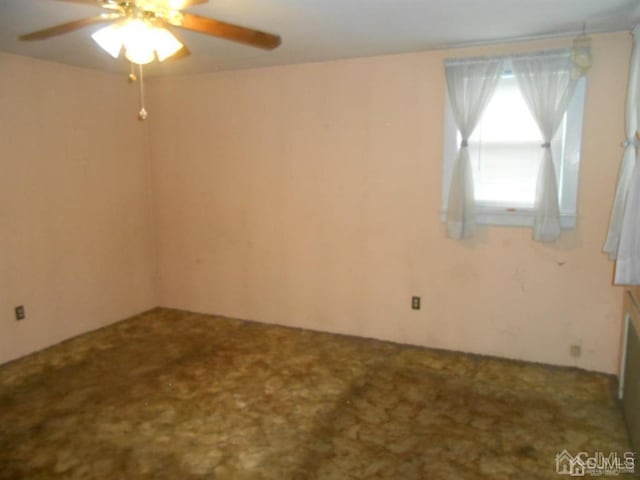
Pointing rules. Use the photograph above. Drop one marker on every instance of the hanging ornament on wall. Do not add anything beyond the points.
(581, 53)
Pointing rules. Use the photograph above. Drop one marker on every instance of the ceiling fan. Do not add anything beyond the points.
(144, 28)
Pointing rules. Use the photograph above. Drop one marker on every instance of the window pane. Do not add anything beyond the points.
(505, 172)
(507, 116)
(505, 149)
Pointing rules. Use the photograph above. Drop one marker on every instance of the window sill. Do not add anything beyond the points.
(512, 217)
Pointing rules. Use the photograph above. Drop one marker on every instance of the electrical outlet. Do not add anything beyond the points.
(20, 315)
(415, 303)
(575, 351)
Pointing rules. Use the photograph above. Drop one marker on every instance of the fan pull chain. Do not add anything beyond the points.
(132, 74)
(142, 114)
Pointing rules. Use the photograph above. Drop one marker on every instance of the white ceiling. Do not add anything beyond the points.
(316, 30)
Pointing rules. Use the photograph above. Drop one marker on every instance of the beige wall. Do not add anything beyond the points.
(76, 245)
(309, 195)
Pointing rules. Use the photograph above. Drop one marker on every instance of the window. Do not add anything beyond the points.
(505, 151)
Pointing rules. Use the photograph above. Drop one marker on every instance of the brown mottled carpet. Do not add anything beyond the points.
(175, 395)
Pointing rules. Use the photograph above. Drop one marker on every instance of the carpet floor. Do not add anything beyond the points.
(175, 395)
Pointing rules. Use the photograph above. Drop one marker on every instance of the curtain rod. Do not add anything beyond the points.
(561, 52)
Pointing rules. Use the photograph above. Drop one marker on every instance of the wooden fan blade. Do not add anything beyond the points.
(110, 4)
(209, 26)
(67, 27)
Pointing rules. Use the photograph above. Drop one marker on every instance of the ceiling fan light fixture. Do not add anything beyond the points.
(138, 41)
(176, 4)
(139, 54)
(141, 40)
(110, 39)
(165, 43)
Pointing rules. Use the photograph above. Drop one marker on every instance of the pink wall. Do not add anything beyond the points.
(76, 244)
(305, 195)
(309, 195)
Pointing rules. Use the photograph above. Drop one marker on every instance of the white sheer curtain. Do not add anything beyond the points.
(547, 82)
(470, 84)
(623, 238)
(628, 262)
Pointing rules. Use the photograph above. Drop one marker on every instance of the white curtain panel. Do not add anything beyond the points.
(471, 83)
(625, 213)
(547, 82)
(628, 263)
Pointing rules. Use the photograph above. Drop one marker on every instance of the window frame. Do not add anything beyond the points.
(567, 171)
